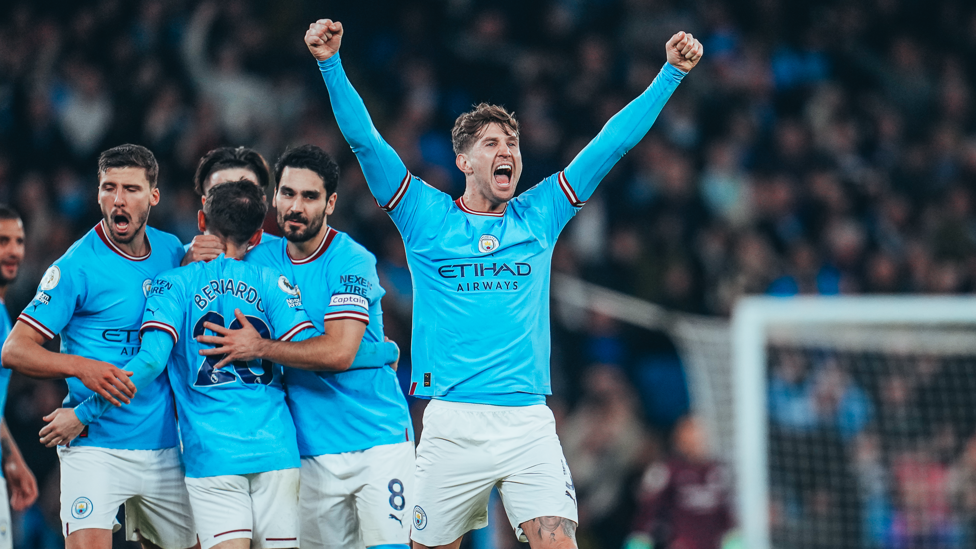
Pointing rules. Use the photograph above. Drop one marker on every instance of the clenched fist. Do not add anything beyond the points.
(683, 50)
(323, 38)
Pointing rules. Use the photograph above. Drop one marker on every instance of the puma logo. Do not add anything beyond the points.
(570, 496)
(153, 311)
(394, 517)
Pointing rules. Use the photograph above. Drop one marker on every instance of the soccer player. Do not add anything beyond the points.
(480, 268)
(238, 436)
(20, 483)
(221, 165)
(354, 429)
(94, 296)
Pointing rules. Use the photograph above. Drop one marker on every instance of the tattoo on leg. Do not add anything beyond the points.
(548, 526)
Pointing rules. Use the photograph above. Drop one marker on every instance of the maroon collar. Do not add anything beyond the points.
(100, 229)
(324, 245)
(464, 208)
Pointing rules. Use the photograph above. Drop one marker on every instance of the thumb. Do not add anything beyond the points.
(50, 417)
(241, 318)
(675, 39)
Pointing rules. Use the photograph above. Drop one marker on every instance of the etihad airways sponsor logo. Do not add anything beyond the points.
(464, 270)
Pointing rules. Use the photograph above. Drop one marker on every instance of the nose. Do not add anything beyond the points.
(119, 197)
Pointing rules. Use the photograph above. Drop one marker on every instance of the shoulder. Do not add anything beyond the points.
(164, 240)
(348, 250)
(266, 253)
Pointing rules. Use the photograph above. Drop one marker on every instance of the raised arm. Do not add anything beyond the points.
(66, 423)
(385, 172)
(629, 126)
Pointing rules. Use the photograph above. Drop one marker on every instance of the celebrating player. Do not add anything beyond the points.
(220, 166)
(480, 268)
(20, 483)
(239, 442)
(94, 296)
(354, 429)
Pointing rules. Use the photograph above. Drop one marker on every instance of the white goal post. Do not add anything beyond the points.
(885, 324)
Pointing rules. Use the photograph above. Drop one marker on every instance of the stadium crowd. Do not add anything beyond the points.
(821, 148)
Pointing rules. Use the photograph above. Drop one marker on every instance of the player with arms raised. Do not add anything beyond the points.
(480, 268)
(94, 296)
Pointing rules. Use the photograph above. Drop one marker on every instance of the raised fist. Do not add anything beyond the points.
(683, 50)
(323, 38)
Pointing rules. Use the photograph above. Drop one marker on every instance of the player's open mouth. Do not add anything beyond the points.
(503, 175)
(121, 223)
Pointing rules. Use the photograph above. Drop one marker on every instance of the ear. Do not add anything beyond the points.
(255, 239)
(330, 204)
(462, 163)
(201, 221)
(154, 196)
(274, 199)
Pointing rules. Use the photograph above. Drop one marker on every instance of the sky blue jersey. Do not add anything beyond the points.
(233, 421)
(357, 409)
(481, 280)
(5, 373)
(94, 296)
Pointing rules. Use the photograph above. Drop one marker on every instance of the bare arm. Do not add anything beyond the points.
(21, 483)
(24, 352)
(332, 351)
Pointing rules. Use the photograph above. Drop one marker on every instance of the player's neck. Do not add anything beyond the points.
(233, 251)
(478, 202)
(301, 250)
(137, 247)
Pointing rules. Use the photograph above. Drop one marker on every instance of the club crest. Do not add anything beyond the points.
(146, 286)
(487, 243)
(419, 518)
(81, 508)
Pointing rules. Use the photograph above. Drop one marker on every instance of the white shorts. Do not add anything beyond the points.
(466, 449)
(95, 481)
(358, 499)
(6, 538)
(261, 507)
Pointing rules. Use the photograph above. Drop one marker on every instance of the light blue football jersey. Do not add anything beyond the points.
(481, 280)
(5, 373)
(339, 412)
(94, 296)
(235, 420)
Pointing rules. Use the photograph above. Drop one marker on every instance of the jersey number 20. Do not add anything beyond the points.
(255, 371)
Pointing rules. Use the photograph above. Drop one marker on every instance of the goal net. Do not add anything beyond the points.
(855, 422)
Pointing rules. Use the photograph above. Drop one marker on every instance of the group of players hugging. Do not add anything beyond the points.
(239, 392)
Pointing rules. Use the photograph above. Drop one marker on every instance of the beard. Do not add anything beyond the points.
(312, 228)
(4, 281)
(136, 223)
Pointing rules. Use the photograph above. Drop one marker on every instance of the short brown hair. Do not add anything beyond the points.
(224, 158)
(469, 125)
(130, 156)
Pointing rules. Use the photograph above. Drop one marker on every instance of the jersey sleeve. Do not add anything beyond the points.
(618, 136)
(145, 366)
(549, 205)
(165, 306)
(283, 305)
(60, 293)
(355, 288)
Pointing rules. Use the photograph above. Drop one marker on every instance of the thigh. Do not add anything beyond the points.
(452, 481)
(274, 505)
(221, 508)
(94, 483)
(385, 497)
(537, 482)
(161, 513)
(327, 507)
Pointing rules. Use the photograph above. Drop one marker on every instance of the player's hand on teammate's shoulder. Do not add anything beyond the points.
(63, 426)
(203, 247)
(323, 38)
(111, 382)
(684, 51)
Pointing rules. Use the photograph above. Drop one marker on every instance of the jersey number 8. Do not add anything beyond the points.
(255, 371)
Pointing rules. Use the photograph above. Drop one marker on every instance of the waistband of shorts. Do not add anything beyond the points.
(436, 403)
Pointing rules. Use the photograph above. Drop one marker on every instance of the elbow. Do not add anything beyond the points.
(8, 356)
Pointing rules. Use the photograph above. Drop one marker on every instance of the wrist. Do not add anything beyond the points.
(328, 63)
(673, 71)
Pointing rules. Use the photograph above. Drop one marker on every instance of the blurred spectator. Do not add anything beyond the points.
(685, 502)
